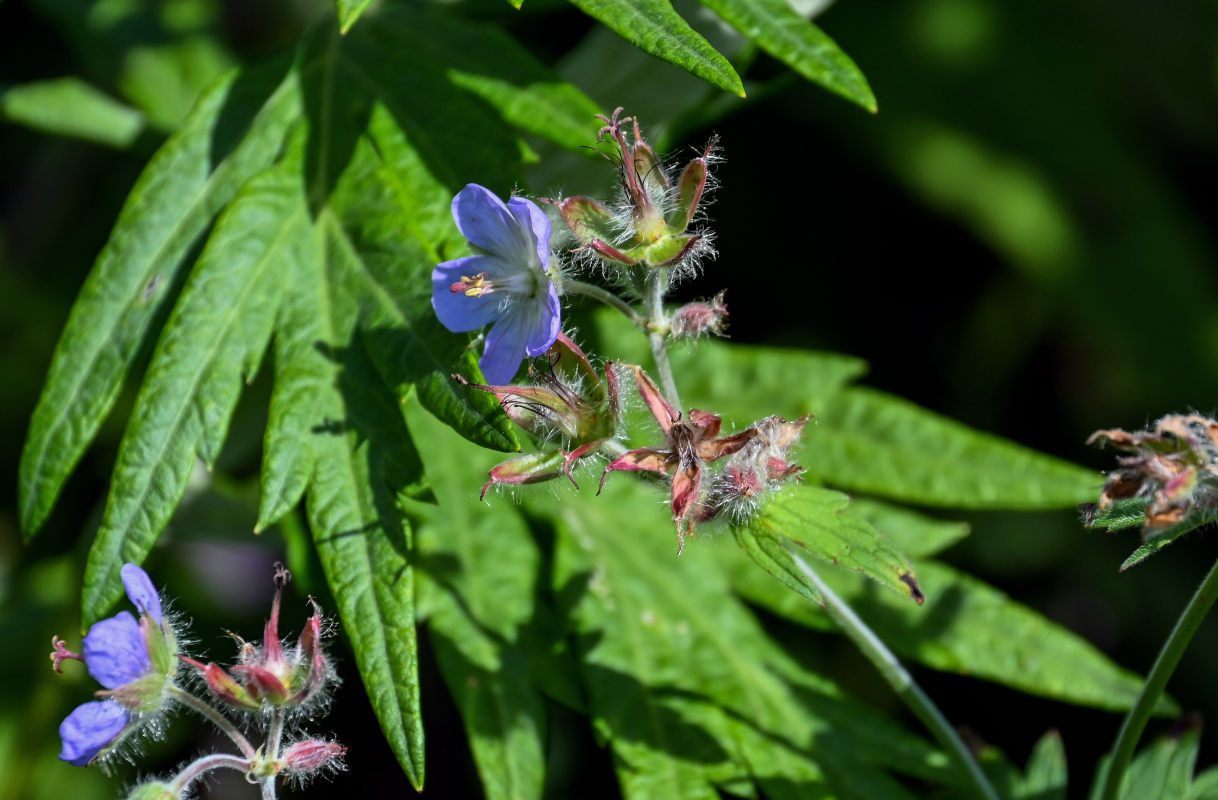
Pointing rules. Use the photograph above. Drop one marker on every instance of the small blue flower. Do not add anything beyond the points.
(89, 728)
(134, 660)
(504, 285)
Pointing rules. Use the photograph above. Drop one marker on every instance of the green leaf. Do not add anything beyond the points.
(236, 131)
(380, 203)
(965, 627)
(1045, 776)
(1194, 519)
(366, 464)
(916, 535)
(813, 518)
(481, 566)
(683, 682)
(211, 345)
(1163, 771)
(772, 556)
(1127, 512)
(349, 11)
(653, 26)
(487, 63)
(741, 383)
(71, 107)
(869, 441)
(784, 34)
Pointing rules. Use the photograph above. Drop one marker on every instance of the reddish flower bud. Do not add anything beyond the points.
(308, 757)
(696, 319)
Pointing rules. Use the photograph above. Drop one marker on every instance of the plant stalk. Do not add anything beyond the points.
(200, 767)
(900, 680)
(657, 334)
(607, 297)
(1156, 681)
(216, 718)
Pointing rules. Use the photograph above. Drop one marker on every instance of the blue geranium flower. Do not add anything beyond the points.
(134, 660)
(504, 285)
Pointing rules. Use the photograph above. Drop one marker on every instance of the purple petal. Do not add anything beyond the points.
(533, 219)
(115, 652)
(506, 345)
(487, 223)
(141, 592)
(456, 311)
(545, 329)
(89, 728)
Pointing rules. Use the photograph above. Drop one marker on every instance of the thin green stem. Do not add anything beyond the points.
(657, 334)
(899, 679)
(1177, 642)
(214, 717)
(607, 297)
(200, 767)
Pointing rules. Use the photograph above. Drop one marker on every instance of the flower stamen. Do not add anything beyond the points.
(473, 287)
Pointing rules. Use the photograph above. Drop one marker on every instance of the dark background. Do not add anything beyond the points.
(1019, 239)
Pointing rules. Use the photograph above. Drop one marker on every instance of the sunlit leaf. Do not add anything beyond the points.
(965, 627)
(653, 26)
(812, 518)
(784, 34)
(71, 107)
(235, 131)
(349, 11)
(212, 345)
(869, 441)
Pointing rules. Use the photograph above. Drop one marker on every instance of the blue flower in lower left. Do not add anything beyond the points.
(135, 660)
(89, 728)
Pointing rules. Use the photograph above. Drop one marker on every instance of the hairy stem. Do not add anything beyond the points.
(607, 297)
(1177, 642)
(199, 767)
(657, 334)
(900, 680)
(216, 718)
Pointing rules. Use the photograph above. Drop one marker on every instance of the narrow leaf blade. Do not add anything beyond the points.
(653, 26)
(349, 11)
(813, 518)
(235, 131)
(71, 107)
(211, 345)
(873, 442)
(784, 34)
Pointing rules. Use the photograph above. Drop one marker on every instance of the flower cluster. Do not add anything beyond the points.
(138, 664)
(1172, 467)
(649, 225)
(642, 242)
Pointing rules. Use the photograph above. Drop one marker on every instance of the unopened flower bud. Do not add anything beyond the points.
(699, 318)
(308, 757)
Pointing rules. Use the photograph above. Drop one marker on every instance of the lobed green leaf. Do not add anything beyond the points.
(685, 685)
(236, 131)
(480, 567)
(813, 518)
(211, 345)
(916, 535)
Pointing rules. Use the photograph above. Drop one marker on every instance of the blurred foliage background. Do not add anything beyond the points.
(1018, 239)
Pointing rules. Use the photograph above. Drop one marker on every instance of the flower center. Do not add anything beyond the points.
(473, 287)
